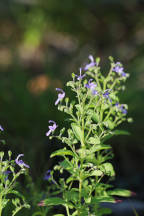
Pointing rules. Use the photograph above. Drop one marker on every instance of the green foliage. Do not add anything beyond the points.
(86, 157)
(8, 179)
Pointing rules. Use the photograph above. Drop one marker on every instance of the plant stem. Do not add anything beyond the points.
(0, 205)
(67, 210)
(80, 189)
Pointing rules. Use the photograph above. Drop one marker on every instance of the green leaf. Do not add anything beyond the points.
(77, 131)
(103, 199)
(115, 132)
(104, 211)
(17, 194)
(108, 169)
(4, 202)
(95, 117)
(83, 153)
(65, 164)
(79, 107)
(59, 215)
(96, 173)
(71, 178)
(109, 124)
(119, 192)
(96, 148)
(72, 195)
(54, 201)
(62, 152)
(3, 142)
(120, 132)
(94, 140)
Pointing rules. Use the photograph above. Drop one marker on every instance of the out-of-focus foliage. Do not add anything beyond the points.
(41, 43)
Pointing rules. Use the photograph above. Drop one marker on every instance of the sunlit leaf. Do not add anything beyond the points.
(96, 173)
(120, 132)
(103, 199)
(120, 192)
(54, 201)
(104, 211)
(94, 140)
(77, 131)
(96, 148)
(108, 169)
(62, 152)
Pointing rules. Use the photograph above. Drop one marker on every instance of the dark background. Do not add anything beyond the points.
(41, 43)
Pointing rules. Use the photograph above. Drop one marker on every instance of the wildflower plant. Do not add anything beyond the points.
(94, 116)
(8, 180)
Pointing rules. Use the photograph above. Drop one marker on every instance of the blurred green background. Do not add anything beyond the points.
(41, 43)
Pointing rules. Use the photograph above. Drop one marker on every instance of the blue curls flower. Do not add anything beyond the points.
(6, 173)
(80, 77)
(61, 95)
(121, 108)
(118, 68)
(106, 94)
(91, 64)
(1, 128)
(92, 87)
(51, 127)
(47, 175)
(20, 162)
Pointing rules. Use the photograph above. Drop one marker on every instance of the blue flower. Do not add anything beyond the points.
(91, 64)
(61, 95)
(47, 175)
(80, 77)
(92, 87)
(119, 69)
(121, 108)
(51, 127)
(1, 128)
(20, 162)
(6, 173)
(106, 94)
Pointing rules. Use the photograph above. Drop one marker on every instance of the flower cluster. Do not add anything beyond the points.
(92, 86)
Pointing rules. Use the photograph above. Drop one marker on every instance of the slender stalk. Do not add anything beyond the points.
(0, 205)
(67, 210)
(109, 113)
(80, 190)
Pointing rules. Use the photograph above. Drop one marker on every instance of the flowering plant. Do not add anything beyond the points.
(8, 178)
(93, 117)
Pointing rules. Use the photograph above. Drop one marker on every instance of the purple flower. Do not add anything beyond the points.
(80, 77)
(92, 87)
(91, 64)
(51, 127)
(20, 162)
(61, 95)
(121, 108)
(47, 175)
(106, 94)
(119, 69)
(1, 128)
(6, 173)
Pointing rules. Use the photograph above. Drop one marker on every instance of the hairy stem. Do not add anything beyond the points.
(67, 210)
(0, 205)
